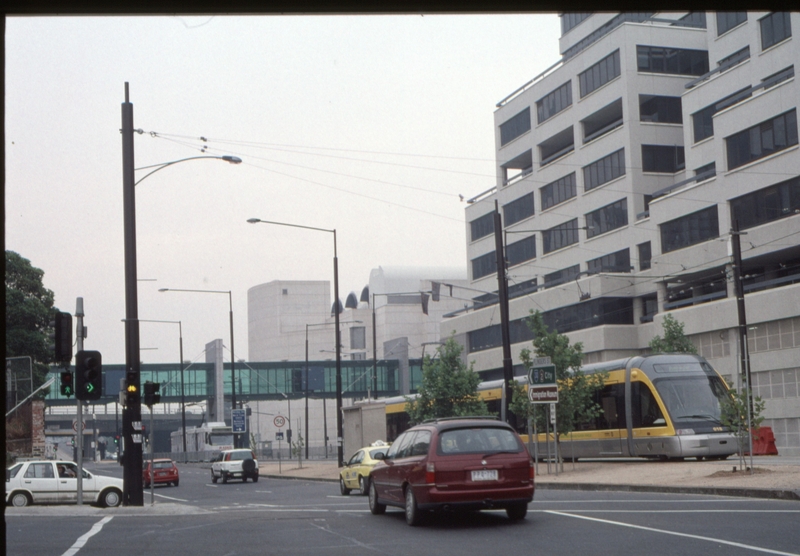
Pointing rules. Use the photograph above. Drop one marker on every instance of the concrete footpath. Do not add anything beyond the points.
(775, 477)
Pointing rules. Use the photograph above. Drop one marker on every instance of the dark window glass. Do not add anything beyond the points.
(703, 120)
(521, 251)
(762, 140)
(653, 108)
(694, 19)
(560, 276)
(620, 261)
(571, 19)
(483, 226)
(599, 74)
(645, 255)
(603, 30)
(649, 307)
(604, 170)
(558, 191)
(662, 158)
(516, 126)
(560, 236)
(710, 168)
(675, 61)
(610, 217)
(554, 102)
(765, 205)
(728, 20)
(775, 27)
(780, 77)
(484, 265)
(645, 412)
(518, 209)
(734, 59)
(421, 444)
(690, 229)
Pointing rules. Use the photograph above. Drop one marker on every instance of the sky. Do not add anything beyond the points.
(370, 125)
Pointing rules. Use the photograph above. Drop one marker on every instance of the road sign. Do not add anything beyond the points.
(279, 421)
(542, 387)
(239, 420)
(279, 435)
(75, 425)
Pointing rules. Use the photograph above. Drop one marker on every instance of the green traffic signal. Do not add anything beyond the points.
(88, 375)
(67, 388)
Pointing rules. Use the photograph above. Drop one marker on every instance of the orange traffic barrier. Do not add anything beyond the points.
(764, 442)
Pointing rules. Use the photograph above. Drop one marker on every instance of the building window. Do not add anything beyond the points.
(762, 140)
(619, 261)
(358, 337)
(674, 61)
(561, 276)
(710, 169)
(649, 307)
(483, 226)
(734, 59)
(555, 147)
(690, 229)
(766, 205)
(663, 159)
(516, 126)
(571, 19)
(484, 265)
(779, 77)
(654, 108)
(554, 102)
(521, 251)
(599, 74)
(703, 120)
(604, 170)
(645, 255)
(560, 236)
(608, 218)
(728, 20)
(693, 19)
(518, 210)
(775, 28)
(558, 191)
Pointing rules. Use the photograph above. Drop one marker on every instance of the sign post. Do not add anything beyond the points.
(543, 389)
(279, 421)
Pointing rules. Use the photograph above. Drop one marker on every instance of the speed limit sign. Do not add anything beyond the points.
(279, 421)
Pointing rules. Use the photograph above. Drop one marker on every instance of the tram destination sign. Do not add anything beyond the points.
(542, 387)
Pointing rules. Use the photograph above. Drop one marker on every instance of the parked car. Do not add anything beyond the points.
(452, 464)
(54, 482)
(235, 464)
(355, 473)
(166, 472)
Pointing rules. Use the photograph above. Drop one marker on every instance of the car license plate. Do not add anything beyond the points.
(485, 475)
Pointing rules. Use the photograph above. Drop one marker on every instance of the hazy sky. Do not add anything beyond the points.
(372, 125)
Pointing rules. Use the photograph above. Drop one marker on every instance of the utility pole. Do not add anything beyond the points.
(79, 408)
(502, 291)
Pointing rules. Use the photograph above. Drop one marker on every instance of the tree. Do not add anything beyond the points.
(449, 388)
(674, 340)
(576, 390)
(297, 449)
(29, 310)
(734, 416)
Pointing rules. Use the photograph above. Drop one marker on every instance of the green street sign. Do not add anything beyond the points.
(542, 387)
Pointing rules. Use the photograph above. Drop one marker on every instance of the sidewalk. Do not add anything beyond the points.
(773, 477)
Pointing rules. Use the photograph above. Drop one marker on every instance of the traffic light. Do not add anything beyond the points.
(151, 395)
(62, 338)
(132, 389)
(67, 384)
(88, 375)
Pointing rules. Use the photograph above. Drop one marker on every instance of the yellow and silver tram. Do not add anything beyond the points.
(659, 406)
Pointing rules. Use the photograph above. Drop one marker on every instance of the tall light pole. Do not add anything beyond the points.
(233, 357)
(339, 423)
(132, 490)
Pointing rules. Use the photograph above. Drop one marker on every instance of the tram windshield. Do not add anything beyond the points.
(692, 399)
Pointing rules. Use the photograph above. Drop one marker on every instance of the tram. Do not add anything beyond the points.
(659, 406)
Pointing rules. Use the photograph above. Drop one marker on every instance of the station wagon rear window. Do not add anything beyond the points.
(479, 440)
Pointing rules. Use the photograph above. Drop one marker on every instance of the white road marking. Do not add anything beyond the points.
(82, 539)
(677, 534)
(171, 497)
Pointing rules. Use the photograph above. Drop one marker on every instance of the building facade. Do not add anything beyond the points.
(622, 171)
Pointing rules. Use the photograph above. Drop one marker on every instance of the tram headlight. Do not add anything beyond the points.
(684, 432)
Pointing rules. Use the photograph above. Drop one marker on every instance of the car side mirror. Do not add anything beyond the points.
(379, 455)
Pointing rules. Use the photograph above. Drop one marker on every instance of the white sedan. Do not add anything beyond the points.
(55, 482)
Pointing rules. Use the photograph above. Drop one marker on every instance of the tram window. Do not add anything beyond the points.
(644, 407)
(612, 402)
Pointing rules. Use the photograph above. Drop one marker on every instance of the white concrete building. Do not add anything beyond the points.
(620, 172)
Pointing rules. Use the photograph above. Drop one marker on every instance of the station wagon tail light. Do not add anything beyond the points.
(430, 473)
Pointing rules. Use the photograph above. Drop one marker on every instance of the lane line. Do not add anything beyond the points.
(171, 497)
(82, 539)
(677, 534)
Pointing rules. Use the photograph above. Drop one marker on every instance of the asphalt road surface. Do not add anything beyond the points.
(279, 516)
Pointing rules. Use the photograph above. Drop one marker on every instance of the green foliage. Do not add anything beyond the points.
(297, 446)
(576, 390)
(734, 416)
(674, 340)
(29, 310)
(449, 388)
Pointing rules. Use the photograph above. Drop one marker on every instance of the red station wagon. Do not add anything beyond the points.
(455, 463)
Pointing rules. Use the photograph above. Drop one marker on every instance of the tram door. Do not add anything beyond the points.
(611, 423)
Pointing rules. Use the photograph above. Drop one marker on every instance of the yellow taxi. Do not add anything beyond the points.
(355, 474)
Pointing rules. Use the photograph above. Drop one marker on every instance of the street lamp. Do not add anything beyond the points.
(233, 358)
(133, 494)
(183, 398)
(339, 423)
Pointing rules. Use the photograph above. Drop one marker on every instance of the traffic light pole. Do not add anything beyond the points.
(79, 409)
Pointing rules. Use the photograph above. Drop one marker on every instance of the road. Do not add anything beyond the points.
(278, 516)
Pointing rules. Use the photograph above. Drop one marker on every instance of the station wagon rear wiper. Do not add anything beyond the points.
(501, 452)
(706, 417)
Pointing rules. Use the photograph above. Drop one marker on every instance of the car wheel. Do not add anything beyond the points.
(342, 488)
(413, 514)
(176, 483)
(224, 478)
(374, 506)
(20, 500)
(214, 478)
(517, 511)
(111, 498)
(363, 484)
(244, 478)
(255, 478)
